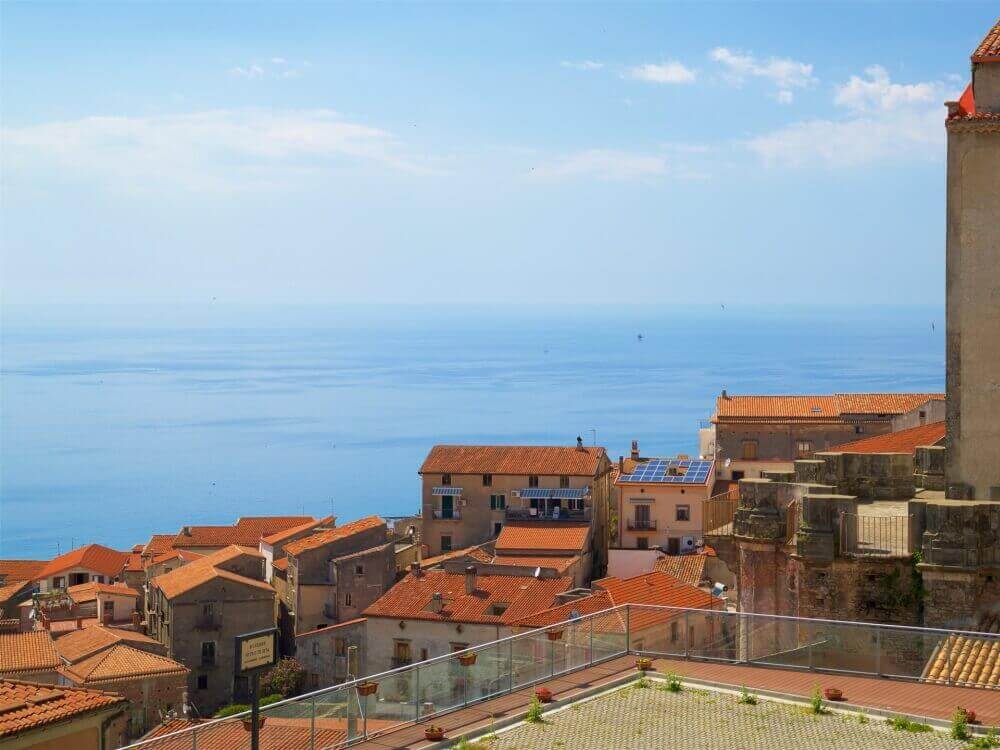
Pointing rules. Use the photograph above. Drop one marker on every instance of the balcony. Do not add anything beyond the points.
(641, 524)
(539, 514)
(447, 515)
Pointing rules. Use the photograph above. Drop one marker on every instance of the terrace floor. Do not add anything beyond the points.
(916, 699)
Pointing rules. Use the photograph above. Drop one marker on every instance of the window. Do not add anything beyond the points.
(97, 579)
(315, 648)
(499, 608)
(749, 450)
(642, 543)
(208, 653)
(359, 570)
(58, 582)
(446, 543)
(497, 528)
(487, 480)
(564, 481)
(674, 632)
(683, 512)
(203, 682)
(923, 417)
(498, 502)
(207, 610)
(446, 480)
(803, 448)
(858, 430)
(423, 654)
(347, 599)
(401, 652)
(532, 481)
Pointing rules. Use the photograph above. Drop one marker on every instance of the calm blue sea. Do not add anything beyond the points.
(121, 422)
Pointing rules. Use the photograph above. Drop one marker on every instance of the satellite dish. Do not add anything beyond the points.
(728, 462)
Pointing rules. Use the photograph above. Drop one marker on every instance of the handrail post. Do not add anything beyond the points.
(878, 652)
(312, 723)
(552, 658)
(510, 666)
(591, 650)
(194, 738)
(948, 642)
(687, 645)
(628, 628)
(416, 693)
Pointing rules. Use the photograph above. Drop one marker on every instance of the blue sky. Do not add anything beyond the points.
(499, 154)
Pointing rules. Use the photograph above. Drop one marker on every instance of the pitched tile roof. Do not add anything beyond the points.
(475, 552)
(411, 598)
(87, 592)
(521, 460)
(121, 663)
(11, 589)
(158, 544)
(26, 705)
(184, 555)
(548, 536)
(973, 662)
(560, 562)
(281, 564)
(277, 733)
(80, 644)
(321, 538)
(830, 408)
(246, 532)
(688, 569)
(24, 653)
(134, 562)
(95, 557)
(989, 49)
(20, 570)
(901, 441)
(656, 588)
(280, 536)
(331, 628)
(198, 572)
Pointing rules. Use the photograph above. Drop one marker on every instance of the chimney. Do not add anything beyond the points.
(579, 443)
(470, 579)
(437, 602)
(724, 394)
(186, 531)
(635, 450)
(621, 464)
(415, 569)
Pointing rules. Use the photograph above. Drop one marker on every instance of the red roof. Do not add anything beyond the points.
(83, 643)
(26, 705)
(24, 653)
(288, 533)
(688, 569)
(654, 588)
(204, 569)
(547, 536)
(832, 408)
(20, 570)
(87, 592)
(475, 552)
(331, 628)
(989, 49)
(521, 460)
(158, 544)
(412, 597)
(560, 563)
(322, 538)
(93, 557)
(277, 733)
(121, 663)
(902, 441)
(246, 532)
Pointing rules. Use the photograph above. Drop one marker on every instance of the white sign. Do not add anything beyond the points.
(257, 652)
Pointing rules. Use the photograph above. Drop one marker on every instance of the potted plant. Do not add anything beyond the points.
(248, 723)
(555, 634)
(367, 688)
(467, 660)
(644, 664)
(544, 695)
(970, 715)
(433, 733)
(833, 694)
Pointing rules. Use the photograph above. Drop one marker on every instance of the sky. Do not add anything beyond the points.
(506, 154)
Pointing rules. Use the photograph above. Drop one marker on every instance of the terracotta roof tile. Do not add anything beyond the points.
(965, 661)
(522, 460)
(411, 598)
(475, 552)
(332, 628)
(158, 544)
(831, 408)
(26, 705)
(883, 403)
(561, 563)
(688, 569)
(20, 570)
(288, 533)
(989, 49)
(246, 532)
(87, 592)
(321, 538)
(24, 653)
(121, 663)
(184, 555)
(134, 563)
(548, 536)
(278, 733)
(902, 441)
(281, 564)
(95, 557)
(200, 571)
(12, 589)
(87, 642)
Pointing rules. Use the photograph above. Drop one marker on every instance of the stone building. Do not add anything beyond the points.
(47, 717)
(333, 654)
(470, 491)
(17, 583)
(334, 574)
(564, 548)
(93, 562)
(198, 609)
(755, 434)
(973, 280)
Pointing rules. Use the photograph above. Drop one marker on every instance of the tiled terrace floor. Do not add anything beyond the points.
(933, 701)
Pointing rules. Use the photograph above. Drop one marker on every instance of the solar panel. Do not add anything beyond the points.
(658, 470)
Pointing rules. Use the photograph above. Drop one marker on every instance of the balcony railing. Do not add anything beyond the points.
(447, 515)
(539, 514)
(641, 524)
(340, 716)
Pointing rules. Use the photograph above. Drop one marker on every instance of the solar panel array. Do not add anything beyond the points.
(539, 493)
(658, 470)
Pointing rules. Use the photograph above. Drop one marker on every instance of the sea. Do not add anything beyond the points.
(118, 422)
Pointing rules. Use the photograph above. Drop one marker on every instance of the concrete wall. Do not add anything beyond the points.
(973, 299)
(934, 410)
(317, 652)
(434, 636)
(662, 500)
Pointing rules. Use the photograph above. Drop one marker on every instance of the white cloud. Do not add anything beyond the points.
(882, 120)
(582, 65)
(875, 92)
(250, 71)
(785, 97)
(279, 61)
(275, 68)
(615, 164)
(217, 149)
(783, 72)
(665, 72)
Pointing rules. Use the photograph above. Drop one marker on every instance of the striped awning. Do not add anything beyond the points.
(454, 491)
(537, 493)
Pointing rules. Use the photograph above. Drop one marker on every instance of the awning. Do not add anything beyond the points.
(454, 491)
(537, 493)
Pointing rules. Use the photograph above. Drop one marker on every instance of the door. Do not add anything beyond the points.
(447, 506)
(673, 546)
(642, 517)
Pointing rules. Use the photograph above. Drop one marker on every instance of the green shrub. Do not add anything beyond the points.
(960, 725)
(746, 696)
(643, 681)
(286, 678)
(230, 710)
(902, 724)
(985, 742)
(534, 714)
(674, 684)
(267, 700)
(816, 701)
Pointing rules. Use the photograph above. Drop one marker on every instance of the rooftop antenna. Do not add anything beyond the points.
(594, 430)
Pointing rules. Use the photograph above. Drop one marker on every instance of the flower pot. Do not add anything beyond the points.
(554, 635)
(833, 694)
(248, 724)
(467, 660)
(544, 695)
(970, 715)
(644, 664)
(433, 734)
(368, 688)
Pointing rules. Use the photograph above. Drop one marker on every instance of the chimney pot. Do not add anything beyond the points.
(724, 394)
(470, 579)
(635, 450)
(621, 464)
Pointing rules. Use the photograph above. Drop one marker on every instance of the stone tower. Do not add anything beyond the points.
(973, 281)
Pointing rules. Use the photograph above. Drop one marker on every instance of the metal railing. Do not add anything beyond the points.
(875, 536)
(360, 709)
(718, 514)
(539, 514)
(641, 524)
(447, 515)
